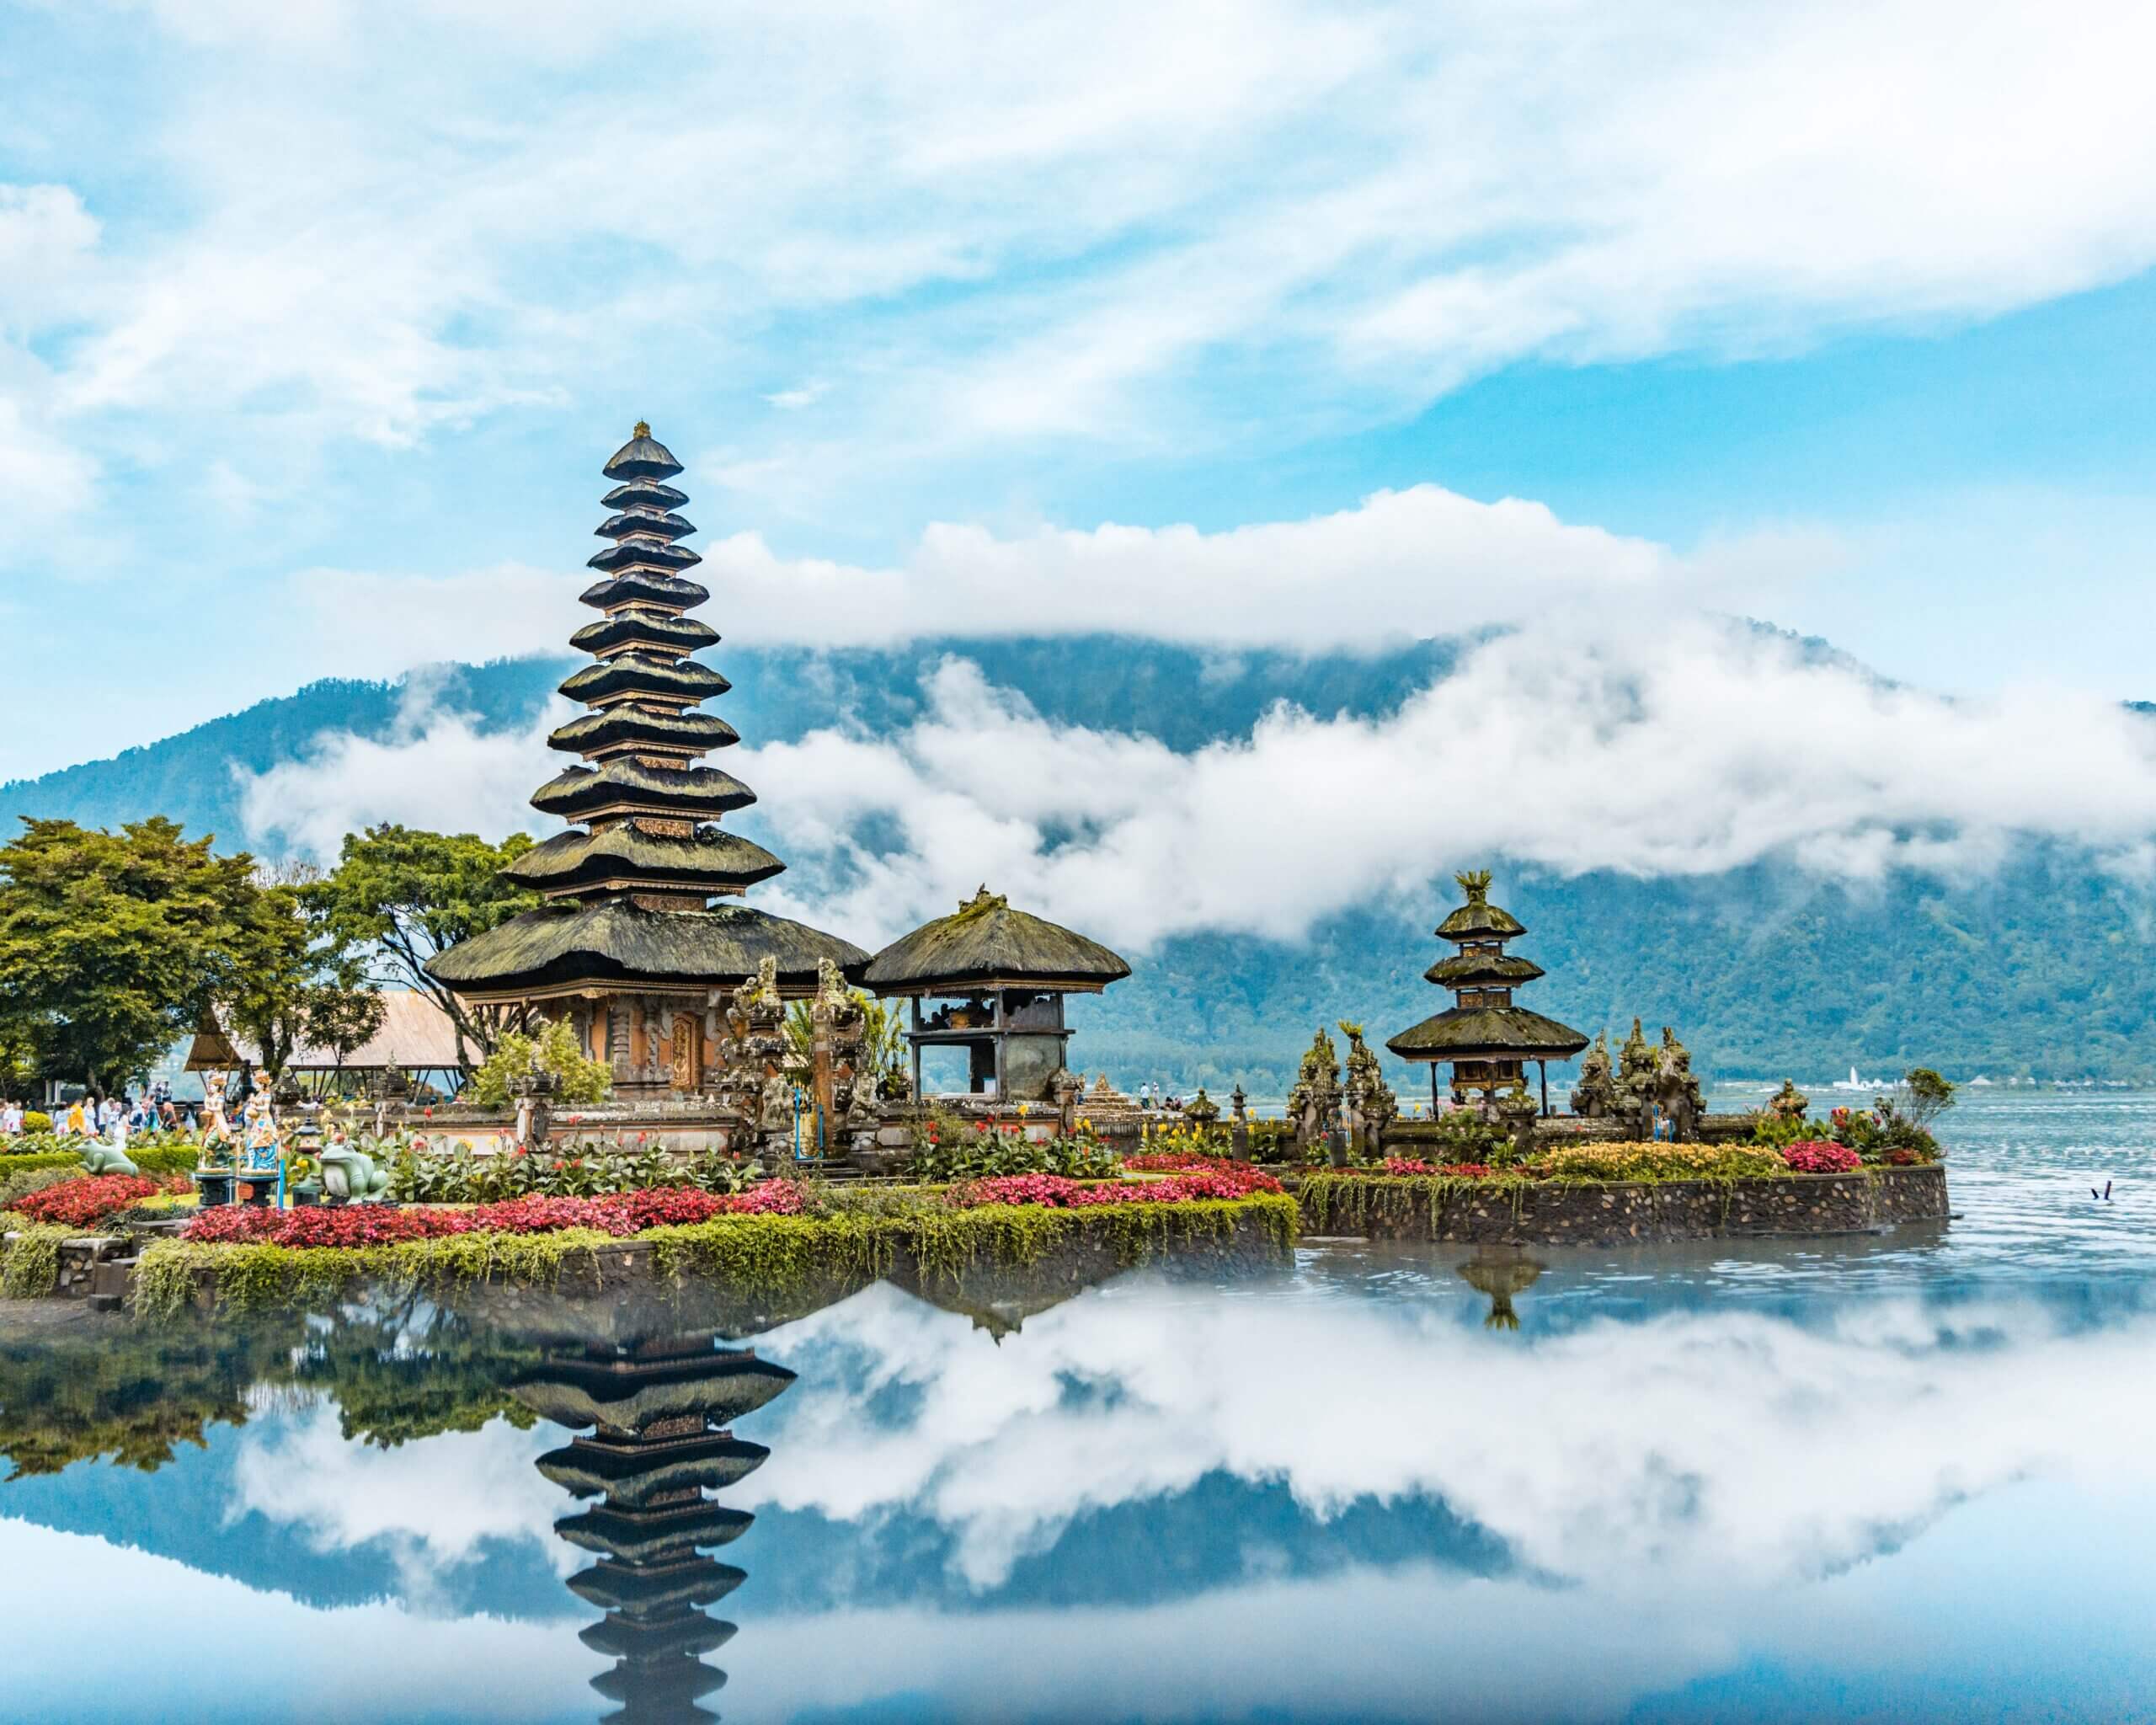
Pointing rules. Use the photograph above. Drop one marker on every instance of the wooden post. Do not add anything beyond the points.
(915, 1040)
(999, 1048)
(1542, 1066)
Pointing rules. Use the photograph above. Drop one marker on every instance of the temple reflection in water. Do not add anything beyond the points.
(653, 1420)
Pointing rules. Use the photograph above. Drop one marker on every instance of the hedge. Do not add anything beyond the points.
(743, 1253)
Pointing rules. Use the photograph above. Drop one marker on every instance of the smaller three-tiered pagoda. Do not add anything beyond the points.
(1487, 1039)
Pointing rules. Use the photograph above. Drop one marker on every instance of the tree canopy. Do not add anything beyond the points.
(113, 945)
(409, 895)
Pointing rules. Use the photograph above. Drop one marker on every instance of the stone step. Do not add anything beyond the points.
(113, 1279)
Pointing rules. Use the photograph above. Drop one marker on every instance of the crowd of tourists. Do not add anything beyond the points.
(112, 1117)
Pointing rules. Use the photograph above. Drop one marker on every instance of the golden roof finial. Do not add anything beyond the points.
(643, 429)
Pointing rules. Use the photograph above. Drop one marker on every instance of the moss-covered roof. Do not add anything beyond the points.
(660, 523)
(986, 943)
(635, 628)
(636, 1535)
(646, 587)
(631, 1473)
(644, 494)
(1488, 1033)
(617, 1587)
(629, 1394)
(1478, 918)
(644, 456)
(1483, 970)
(644, 674)
(643, 554)
(625, 785)
(713, 858)
(565, 943)
(625, 727)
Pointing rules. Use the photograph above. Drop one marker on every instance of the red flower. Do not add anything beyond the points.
(78, 1204)
(1821, 1158)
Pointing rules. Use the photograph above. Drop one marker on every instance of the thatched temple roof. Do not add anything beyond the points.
(563, 943)
(987, 944)
(1488, 1033)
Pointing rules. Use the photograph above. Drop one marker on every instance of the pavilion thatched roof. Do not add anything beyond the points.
(1487, 1034)
(987, 944)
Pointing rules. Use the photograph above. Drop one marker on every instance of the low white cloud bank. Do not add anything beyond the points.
(1686, 748)
(1401, 565)
(436, 768)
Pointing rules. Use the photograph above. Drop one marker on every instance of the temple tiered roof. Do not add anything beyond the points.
(659, 1409)
(1483, 1035)
(631, 885)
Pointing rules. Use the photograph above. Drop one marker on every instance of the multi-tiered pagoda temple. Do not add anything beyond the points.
(658, 1413)
(1487, 1039)
(641, 933)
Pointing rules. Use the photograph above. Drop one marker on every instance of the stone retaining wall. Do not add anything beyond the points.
(1627, 1213)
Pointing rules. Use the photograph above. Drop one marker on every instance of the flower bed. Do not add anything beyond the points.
(769, 1253)
(1825, 1158)
(84, 1203)
(1220, 1180)
(617, 1215)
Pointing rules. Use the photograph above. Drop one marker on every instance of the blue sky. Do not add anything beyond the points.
(317, 320)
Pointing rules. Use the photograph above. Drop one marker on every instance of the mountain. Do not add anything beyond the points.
(2043, 968)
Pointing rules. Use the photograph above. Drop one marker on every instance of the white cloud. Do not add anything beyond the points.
(436, 768)
(1401, 565)
(1688, 749)
(1726, 1448)
(1033, 224)
(1682, 746)
(46, 238)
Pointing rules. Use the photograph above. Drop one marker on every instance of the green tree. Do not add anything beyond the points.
(407, 895)
(267, 1002)
(1929, 1097)
(578, 1078)
(341, 1019)
(113, 945)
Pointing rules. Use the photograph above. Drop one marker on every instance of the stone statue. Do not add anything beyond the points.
(1201, 1110)
(1066, 1087)
(1314, 1103)
(1789, 1102)
(1677, 1089)
(1239, 1124)
(1369, 1104)
(1594, 1093)
(1633, 1094)
(350, 1175)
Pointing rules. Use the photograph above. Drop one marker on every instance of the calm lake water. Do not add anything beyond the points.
(1904, 1477)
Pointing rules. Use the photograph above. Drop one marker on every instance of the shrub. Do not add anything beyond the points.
(1453, 1171)
(578, 1078)
(37, 1120)
(83, 1203)
(21, 1183)
(947, 1148)
(1821, 1158)
(1658, 1161)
